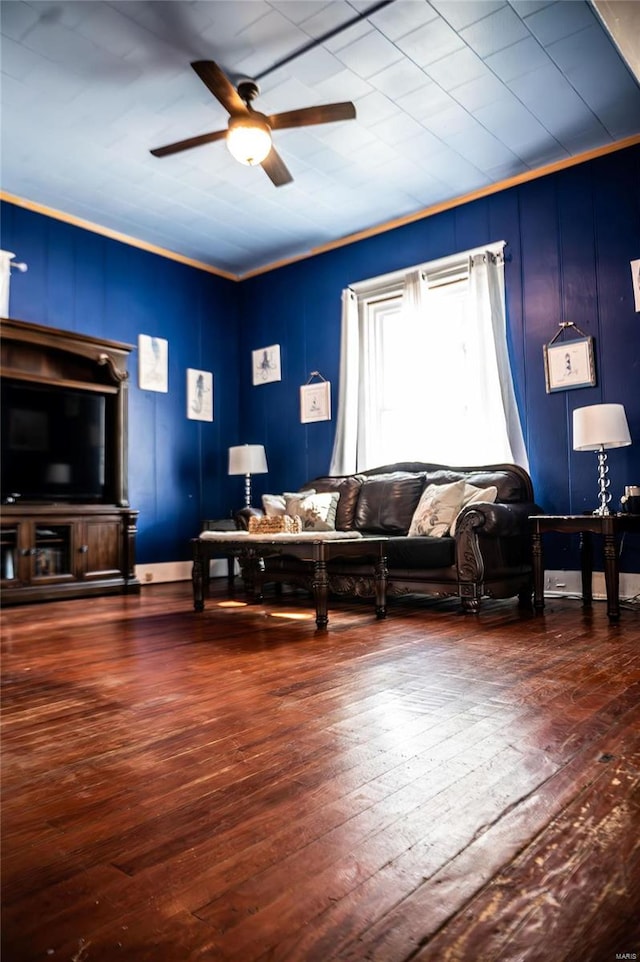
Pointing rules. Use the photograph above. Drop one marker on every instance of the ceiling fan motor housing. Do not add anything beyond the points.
(248, 90)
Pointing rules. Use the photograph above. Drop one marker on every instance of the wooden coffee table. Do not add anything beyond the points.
(309, 547)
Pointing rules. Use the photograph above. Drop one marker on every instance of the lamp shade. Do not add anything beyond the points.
(600, 426)
(247, 459)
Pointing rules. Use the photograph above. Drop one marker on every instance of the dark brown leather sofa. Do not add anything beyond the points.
(489, 555)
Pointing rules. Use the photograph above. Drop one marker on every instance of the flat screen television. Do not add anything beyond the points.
(54, 443)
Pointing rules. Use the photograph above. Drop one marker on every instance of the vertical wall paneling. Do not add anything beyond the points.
(80, 281)
(570, 238)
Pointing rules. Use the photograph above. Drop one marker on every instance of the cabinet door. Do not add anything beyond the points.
(15, 566)
(101, 548)
(52, 552)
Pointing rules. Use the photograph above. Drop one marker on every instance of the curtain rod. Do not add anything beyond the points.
(396, 277)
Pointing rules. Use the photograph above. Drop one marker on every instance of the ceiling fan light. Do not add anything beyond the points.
(248, 140)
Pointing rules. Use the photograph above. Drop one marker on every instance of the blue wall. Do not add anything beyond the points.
(570, 238)
(80, 281)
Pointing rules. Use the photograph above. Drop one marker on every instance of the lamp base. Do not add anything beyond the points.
(604, 494)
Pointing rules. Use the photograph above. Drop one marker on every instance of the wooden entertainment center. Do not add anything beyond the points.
(68, 546)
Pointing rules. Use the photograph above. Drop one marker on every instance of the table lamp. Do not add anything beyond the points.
(247, 459)
(597, 428)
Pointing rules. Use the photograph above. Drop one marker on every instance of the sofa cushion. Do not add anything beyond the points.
(387, 502)
(317, 512)
(348, 487)
(438, 506)
(420, 552)
(275, 505)
(510, 486)
(471, 495)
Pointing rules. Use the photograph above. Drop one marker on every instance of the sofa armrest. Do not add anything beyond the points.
(492, 539)
(498, 520)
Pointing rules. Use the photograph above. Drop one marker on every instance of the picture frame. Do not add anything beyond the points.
(153, 363)
(569, 365)
(635, 281)
(266, 364)
(199, 395)
(315, 402)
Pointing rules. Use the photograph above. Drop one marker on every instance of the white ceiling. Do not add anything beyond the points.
(452, 96)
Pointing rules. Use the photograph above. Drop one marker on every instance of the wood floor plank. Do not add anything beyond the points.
(437, 910)
(586, 867)
(236, 786)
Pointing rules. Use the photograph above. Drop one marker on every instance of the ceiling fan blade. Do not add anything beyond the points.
(276, 169)
(190, 142)
(220, 86)
(305, 116)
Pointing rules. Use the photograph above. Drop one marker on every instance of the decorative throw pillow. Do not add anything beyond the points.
(317, 512)
(438, 506)
(471, 495)
(275, 505)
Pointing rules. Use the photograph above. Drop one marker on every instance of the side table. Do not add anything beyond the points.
(608, 526)
(222, 524)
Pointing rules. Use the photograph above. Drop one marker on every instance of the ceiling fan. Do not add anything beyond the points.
(248, 134)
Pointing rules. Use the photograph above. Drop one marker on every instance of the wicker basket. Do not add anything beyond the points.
(281, 524)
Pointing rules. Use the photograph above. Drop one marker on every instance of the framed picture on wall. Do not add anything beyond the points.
(266, 364)
(153, 363)
(569, 364)
(635, 280)
(315, 402)
(199, 395)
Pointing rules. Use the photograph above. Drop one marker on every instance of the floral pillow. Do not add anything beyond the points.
(275, 505)
(317, 512)
(471, 495)
(439, 504)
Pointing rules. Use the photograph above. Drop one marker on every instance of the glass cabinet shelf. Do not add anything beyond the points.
(9, 553)
(52, 555)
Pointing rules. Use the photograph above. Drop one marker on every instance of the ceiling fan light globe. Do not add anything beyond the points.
(248, 140)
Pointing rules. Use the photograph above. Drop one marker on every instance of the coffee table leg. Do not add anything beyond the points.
(538, 571)
(320, 591)
(252, 569)
(197, 575)
(381, 574)
(259, 580)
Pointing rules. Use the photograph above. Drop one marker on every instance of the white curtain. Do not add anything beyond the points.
(460, 399)
(414, 295)
(498, 398)
(5, 280)
(343, 459)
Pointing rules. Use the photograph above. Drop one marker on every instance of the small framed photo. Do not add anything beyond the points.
(315, 402)
(199, 395)
(635, 280)
(569, 364)
(153, 363)
(266, 364)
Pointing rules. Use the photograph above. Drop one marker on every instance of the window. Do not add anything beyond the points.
(424, 368)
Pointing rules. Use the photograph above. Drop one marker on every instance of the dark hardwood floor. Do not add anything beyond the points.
(237, 786)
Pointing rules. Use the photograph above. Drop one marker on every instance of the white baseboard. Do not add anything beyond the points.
(176, 571)
(561, 584)
(557, 584)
